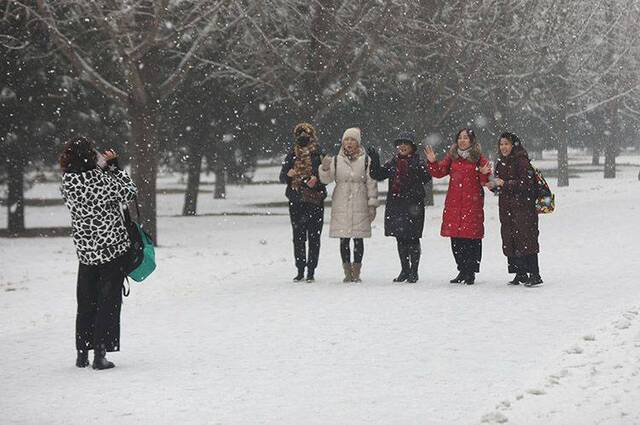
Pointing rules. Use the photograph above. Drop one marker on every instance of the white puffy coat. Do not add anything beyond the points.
(355, 192)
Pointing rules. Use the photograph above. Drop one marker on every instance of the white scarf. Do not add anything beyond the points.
(465, 153)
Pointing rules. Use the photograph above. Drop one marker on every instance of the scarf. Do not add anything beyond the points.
(402, 178)
(465, 154)
(302, 164)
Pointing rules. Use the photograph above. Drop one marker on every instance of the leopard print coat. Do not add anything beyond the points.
(94, 199)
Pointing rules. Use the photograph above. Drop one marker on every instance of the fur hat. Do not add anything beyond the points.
(406, 137)
(305, 128)
(353, 133)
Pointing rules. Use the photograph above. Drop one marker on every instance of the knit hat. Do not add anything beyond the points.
(353, 133)
(406, 137)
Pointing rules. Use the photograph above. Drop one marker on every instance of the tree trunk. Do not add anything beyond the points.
(610, 146)
(193, 179)
(15, 195)
(145, 165)
(595, 156)
(428, 189)
(563, 154)
(220, 191)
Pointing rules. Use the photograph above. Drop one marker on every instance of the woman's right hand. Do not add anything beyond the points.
(291, 173)
(430, 154)
(326, 163)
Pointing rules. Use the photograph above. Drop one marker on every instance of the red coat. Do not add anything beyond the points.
(463, 215)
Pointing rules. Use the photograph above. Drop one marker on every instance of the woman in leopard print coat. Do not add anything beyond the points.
(94, 195)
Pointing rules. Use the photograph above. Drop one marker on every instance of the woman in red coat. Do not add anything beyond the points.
(516, 185)
(463, 215)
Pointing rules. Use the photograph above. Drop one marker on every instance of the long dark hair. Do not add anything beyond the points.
(78, 155)
(470, 133)
(518, 148)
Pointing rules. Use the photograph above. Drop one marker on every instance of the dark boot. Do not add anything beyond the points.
(534, 280)
(518, 279)
(403, 252)
(355, 272)
(100, 362)
(469, 278)
(310, 275)
(348, 272)
(299, 276)
(83, 358)
(415, 263)
(458, 279)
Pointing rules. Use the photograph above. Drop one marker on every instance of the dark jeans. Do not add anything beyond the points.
(307, 221)
(526, 264)
(467, 253)
(345, 251)
(99, 294)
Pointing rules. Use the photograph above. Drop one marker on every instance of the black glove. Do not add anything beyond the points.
(373, 154)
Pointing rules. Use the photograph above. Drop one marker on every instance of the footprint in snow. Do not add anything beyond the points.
(622, 324)
(574, 350)
(494, 418)
(589, 337)
(536, 391)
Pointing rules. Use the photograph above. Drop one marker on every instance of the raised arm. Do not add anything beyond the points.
(376, 171)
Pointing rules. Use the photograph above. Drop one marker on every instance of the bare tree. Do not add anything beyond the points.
(136, 52)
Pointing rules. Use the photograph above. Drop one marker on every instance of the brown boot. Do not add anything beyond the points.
(348, 276)
(355, 272)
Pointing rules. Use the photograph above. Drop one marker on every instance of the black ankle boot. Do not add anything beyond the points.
(299, 276)
(469, 278)
(403, 276)
(458, 279)
(310, 275)
(83, 358)
(534, 280)
(100, 362)
(518, 279)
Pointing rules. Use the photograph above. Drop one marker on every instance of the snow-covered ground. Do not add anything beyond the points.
(220, 334)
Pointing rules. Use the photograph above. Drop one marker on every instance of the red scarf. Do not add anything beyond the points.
(402, 179)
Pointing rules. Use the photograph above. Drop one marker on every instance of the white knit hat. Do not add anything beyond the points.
(353, 133)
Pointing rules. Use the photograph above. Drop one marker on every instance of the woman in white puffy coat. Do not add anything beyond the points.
(354, 200)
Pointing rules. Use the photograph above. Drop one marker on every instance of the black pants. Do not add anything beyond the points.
(467, 253)
(307, 221)
(409, 251)
(345, 251)
(99, 294)
(526, 264)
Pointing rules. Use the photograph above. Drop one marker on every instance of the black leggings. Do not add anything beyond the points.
(468, 253)
(358, 250)
(409, 251)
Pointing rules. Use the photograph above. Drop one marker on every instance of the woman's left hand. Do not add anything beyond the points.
(499, 182)
(312, 181)
(486, 168)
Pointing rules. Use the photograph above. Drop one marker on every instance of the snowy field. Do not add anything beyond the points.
(220, 335)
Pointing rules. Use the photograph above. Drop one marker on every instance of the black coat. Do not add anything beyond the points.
(404, 213)
(518, 216)
(295, 196)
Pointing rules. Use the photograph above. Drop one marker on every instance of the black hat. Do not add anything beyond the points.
(406, 137)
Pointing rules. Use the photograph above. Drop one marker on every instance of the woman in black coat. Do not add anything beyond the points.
(404, 207)
(306, 196)
(515, 183)
(93, 190)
